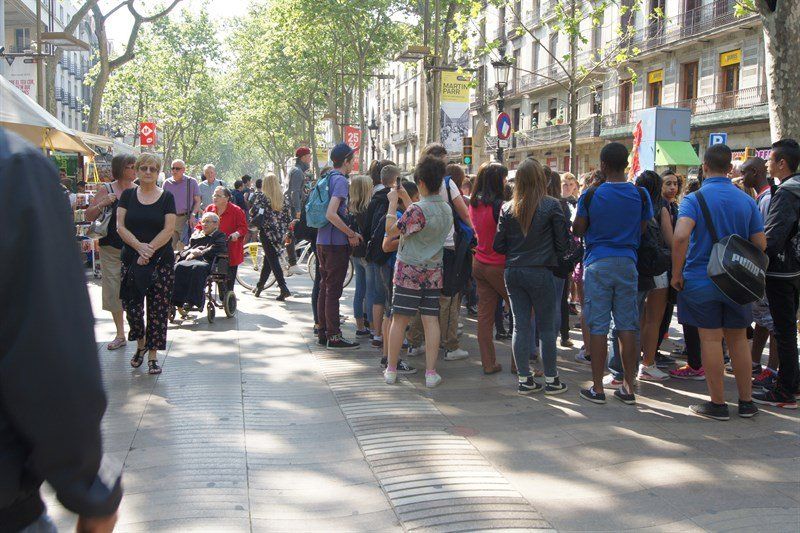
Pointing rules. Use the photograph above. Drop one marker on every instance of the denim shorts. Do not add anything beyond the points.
(703, 305)
(375, 288)
(610, 287)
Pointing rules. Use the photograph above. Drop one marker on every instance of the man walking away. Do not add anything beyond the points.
(783, 273)
(700, 302)
(298, 177)
(333, 250)
(612, 221)
(187, 203)
(51, 392)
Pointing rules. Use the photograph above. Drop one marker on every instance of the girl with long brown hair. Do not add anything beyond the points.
(532, 234)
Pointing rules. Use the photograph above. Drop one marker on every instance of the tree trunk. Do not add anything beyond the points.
(573, 99)
(50, 82)
(782, 42)
(362, 125)
(97, 98)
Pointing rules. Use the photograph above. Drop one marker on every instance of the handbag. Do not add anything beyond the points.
(99, 228)
(736, 266)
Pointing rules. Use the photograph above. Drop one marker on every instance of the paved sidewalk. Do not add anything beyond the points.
(252, 427)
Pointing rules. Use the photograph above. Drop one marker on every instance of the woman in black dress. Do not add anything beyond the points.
(145, 221)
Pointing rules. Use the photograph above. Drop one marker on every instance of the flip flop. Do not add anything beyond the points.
(116, 344)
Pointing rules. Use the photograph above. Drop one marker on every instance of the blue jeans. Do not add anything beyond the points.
(360, 273)
(532, 287)
(376, 292)
(559, 285)
(609, 288)
(615, 363)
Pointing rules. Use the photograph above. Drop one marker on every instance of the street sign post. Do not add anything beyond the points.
(717, 138)
(147, 134)
(503, 126)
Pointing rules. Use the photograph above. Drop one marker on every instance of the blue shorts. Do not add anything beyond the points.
(375, 287)
(610, 287)
(702, 304)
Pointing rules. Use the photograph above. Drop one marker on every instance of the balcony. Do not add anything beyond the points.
(412, 100)
(587, 128)
(58, 94)
(404, 136)
(532, 18)
(403, 105)
(744, 105)
(715, 17)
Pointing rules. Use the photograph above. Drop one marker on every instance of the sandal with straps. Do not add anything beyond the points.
(138, 357)
(152, 367)
(117, 343)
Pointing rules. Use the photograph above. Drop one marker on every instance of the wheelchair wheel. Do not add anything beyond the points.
(212, 311)
(229, 304)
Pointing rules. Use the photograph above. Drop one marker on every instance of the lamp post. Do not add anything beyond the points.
(373, 137)
(501, 68)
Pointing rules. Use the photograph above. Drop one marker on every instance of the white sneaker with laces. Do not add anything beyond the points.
(610, 382)
(390, 377)
(455, 355)
(651, 373)
(432, 380)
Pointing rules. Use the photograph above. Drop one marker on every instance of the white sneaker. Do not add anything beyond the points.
(416, 351)
(581, 357)
(610, 382)
(294, 269)
(651, 373)
(431, 380)
(455, 355)
(390, 377)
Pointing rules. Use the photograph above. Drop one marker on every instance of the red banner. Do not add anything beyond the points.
(147, 133)
(352, 136)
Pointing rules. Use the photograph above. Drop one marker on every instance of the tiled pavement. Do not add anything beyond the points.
(252, 428)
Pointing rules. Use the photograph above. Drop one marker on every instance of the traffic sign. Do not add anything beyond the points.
(147, 134)
(717, 138)
(503, 143)
(503, 126)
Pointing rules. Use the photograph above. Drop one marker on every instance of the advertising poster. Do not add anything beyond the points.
(454, 112)
(23, 76)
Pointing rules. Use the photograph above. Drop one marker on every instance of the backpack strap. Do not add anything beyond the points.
(707, 216)
(587, 201)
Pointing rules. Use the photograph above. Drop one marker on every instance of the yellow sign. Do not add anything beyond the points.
(455, 87)
(655, 76)
(734, 57)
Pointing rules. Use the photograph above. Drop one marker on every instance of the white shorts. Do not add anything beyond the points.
(662, 281)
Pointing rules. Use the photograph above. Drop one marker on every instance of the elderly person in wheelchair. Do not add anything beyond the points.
(195, 262)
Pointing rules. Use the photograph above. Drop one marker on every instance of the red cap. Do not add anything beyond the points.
(300, 152)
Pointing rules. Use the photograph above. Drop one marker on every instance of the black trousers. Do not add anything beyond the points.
(783, 301)
(692, 338)
(271, 264)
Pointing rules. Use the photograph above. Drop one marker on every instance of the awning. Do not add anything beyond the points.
(677, 153)
(96, 140)
(20, 114)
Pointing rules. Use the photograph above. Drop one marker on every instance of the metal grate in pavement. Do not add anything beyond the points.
(436, 481)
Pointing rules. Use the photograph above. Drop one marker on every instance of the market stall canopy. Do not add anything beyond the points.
(676, 153)
(96, 140)
(20, 114)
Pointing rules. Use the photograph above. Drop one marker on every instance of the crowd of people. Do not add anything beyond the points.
(621, 253)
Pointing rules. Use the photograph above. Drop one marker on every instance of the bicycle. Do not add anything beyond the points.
(249, 271)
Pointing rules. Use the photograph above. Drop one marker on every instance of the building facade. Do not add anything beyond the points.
(697, 55)
(71, 94)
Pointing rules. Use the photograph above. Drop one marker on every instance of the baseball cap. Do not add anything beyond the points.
(300, 152)
(341, 152)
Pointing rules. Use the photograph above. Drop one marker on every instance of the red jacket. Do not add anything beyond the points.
(231, 220)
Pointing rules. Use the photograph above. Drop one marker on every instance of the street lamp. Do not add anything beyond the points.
(502, 67)
(373, 136)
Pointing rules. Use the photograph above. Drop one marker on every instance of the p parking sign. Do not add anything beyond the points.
(717, 138)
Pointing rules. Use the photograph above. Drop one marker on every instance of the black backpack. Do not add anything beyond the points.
(736, 266)
(457, 267)
(374, 252)
(653, 255)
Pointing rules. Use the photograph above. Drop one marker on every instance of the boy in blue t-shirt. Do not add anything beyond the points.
(611, 225)
(700, 302)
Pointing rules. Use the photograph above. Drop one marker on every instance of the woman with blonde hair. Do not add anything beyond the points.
(361, 188)
(271, 214)
(532, 234)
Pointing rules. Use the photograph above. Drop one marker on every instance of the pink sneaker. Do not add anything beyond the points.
(687, 372)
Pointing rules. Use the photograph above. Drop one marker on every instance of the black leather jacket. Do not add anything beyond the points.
(51, 393)
(545, 242)
(780, 227)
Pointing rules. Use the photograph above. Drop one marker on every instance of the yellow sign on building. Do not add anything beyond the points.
(655, 76)
(734, 57)
(455, 87)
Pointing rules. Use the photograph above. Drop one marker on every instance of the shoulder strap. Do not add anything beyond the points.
(588, 200)
(642, 197)
(707, 216)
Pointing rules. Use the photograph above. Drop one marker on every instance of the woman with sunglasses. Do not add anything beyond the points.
(145, 222)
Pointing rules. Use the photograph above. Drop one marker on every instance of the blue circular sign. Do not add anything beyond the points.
(503, 126)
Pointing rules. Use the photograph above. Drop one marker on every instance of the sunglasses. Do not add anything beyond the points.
(146, 169)
(177, 168)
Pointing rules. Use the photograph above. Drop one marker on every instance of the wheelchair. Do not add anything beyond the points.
(218, 296)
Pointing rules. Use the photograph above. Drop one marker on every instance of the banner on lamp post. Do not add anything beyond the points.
(352, 136)
(454, 111)
(147, 134)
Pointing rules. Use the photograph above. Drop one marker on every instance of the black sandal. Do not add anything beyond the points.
(138, 357)
(152, 367)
